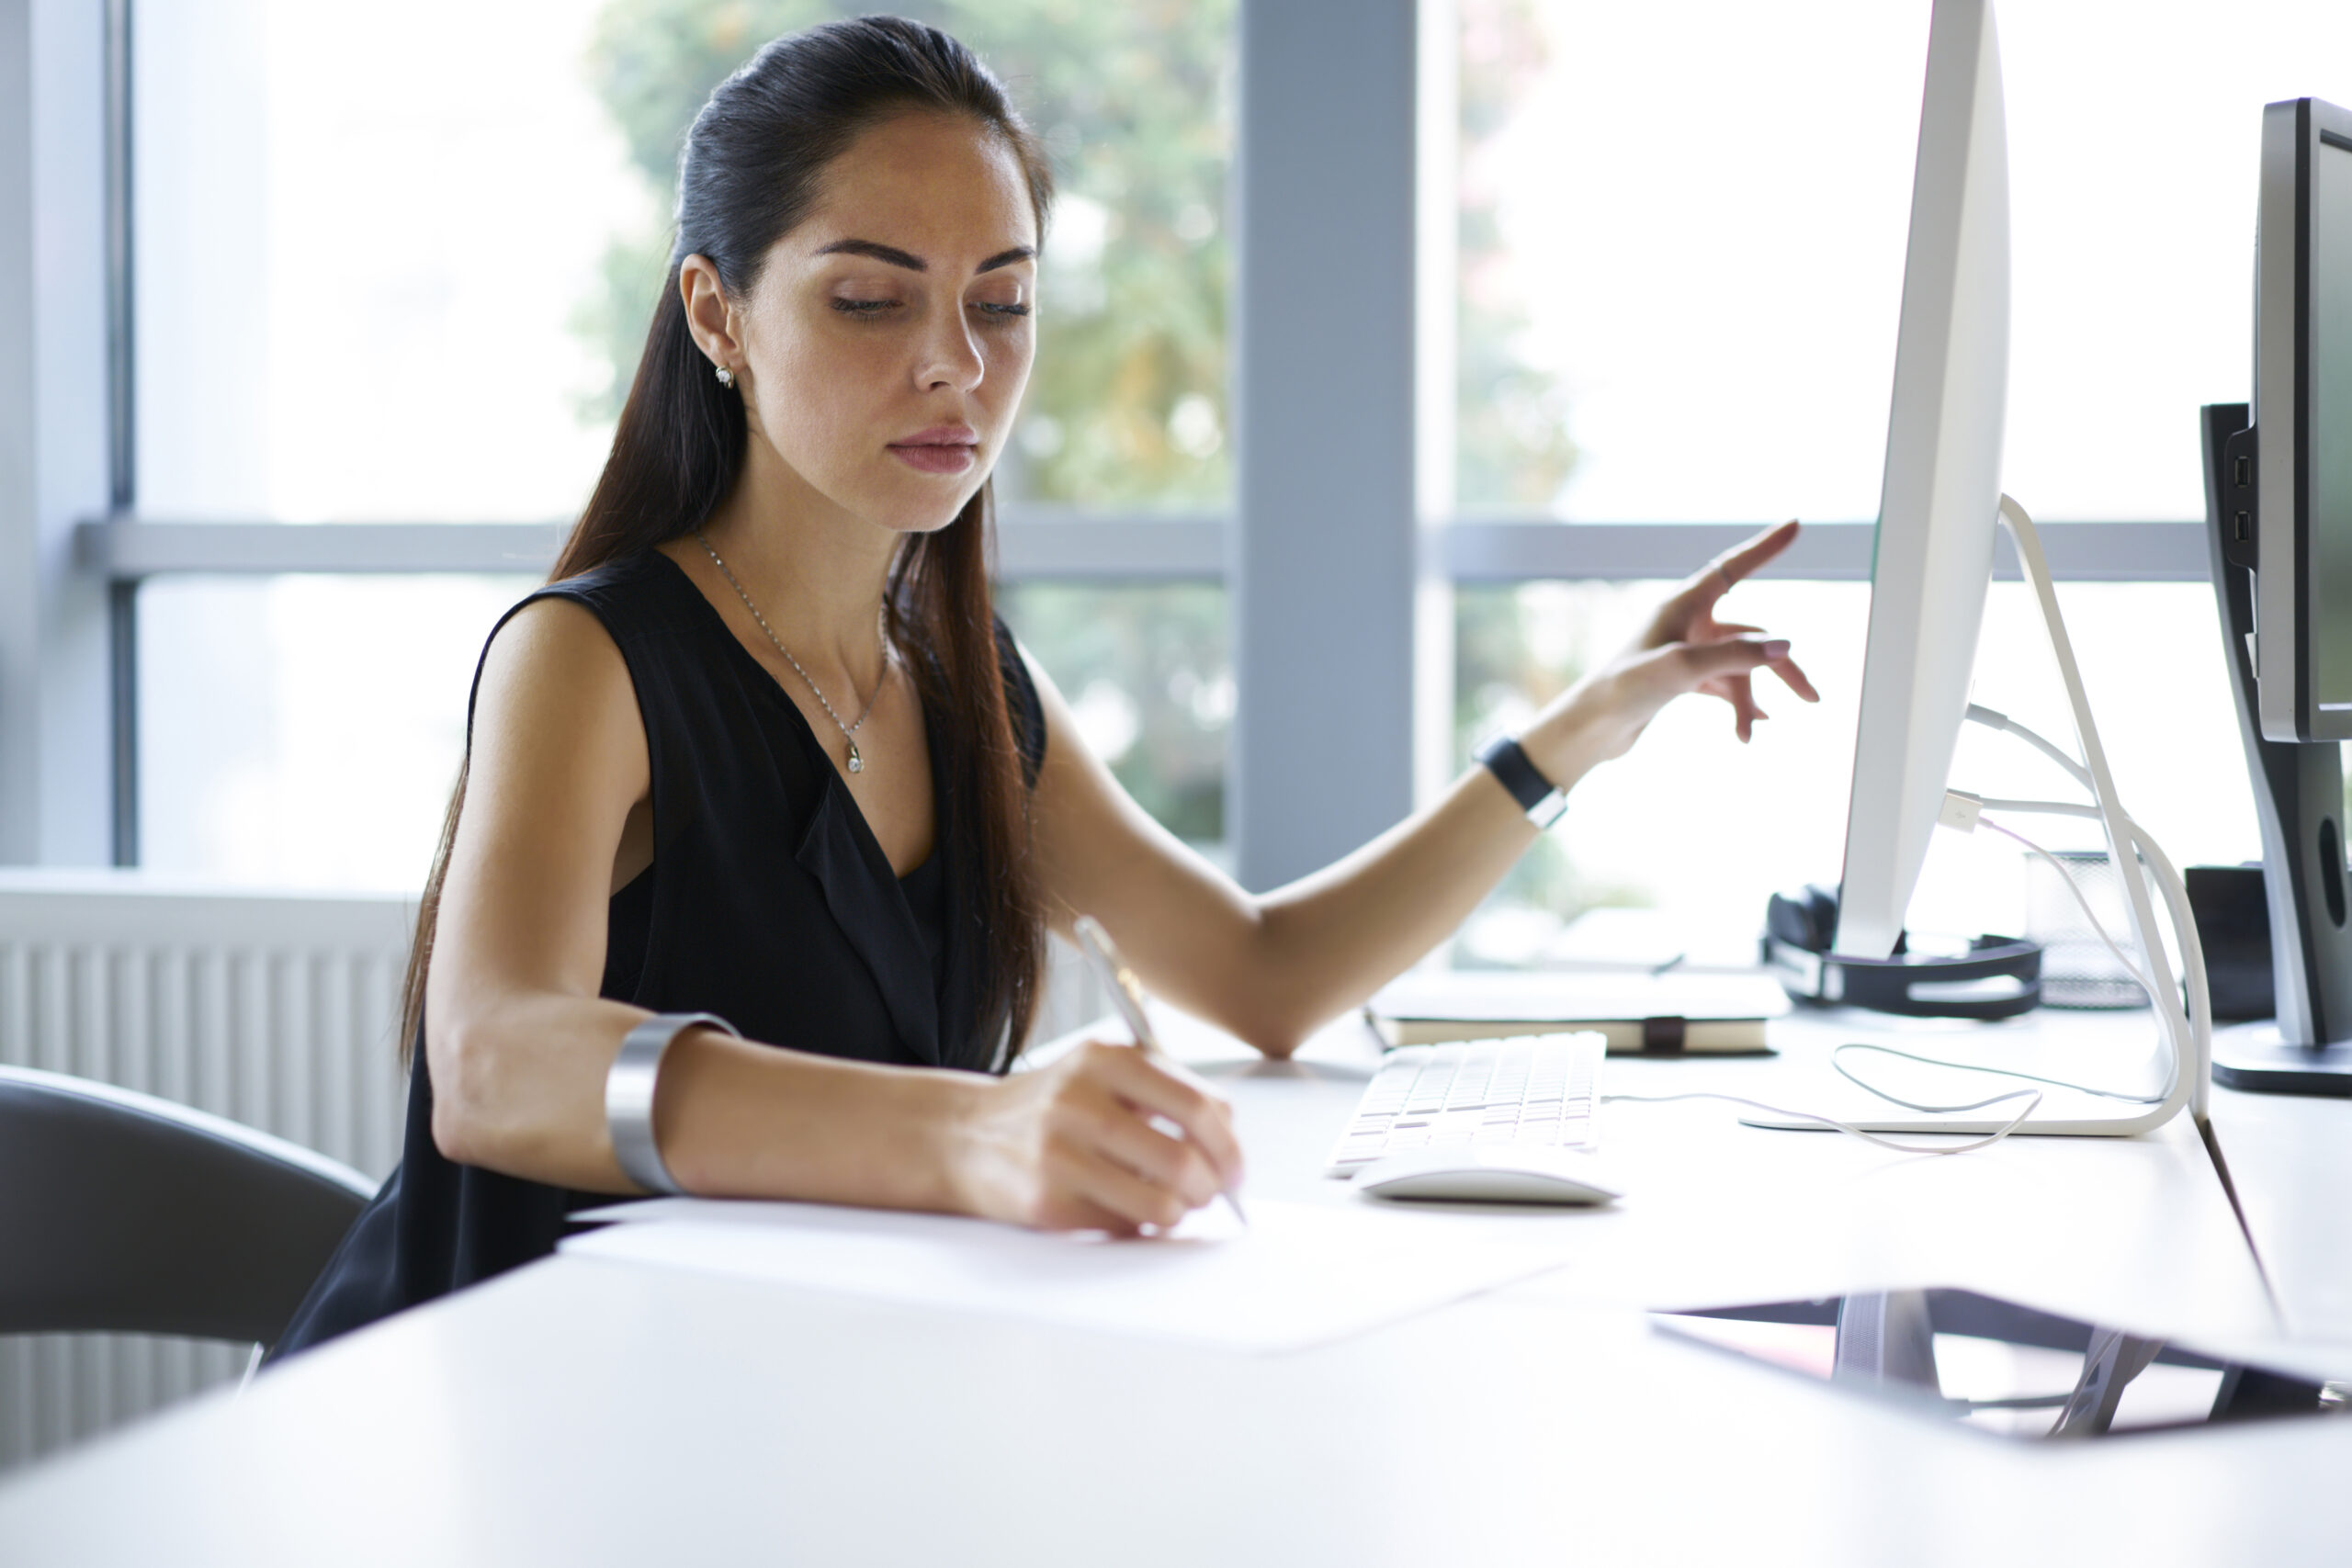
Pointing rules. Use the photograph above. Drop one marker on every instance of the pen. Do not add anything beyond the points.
(1128, 992)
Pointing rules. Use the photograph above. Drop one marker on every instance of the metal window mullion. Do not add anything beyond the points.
(1511, 551)
(122, 670)
(1326, 576)
(1078, 546)
(122, 431)
(122, 405)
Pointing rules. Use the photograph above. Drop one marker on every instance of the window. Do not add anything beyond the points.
(381, 278)
(1683, 249)
(1694, 823)
(1684, 233)
(365, 258)
(1148, 671)
(305, 731)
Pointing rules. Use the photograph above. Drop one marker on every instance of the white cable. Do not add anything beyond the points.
(2199, 1019)
(2199, 1022)
(1847, 1072)
(2199, 1009)
(2167, 879)
(2067, 876)
(1993, 719)
(2043, 808)
(2175, 901)
(2031, 1097)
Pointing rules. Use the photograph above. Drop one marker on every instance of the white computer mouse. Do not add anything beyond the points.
(1493, 1175)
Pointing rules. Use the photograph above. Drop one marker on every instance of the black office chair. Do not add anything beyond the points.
(121, 1212)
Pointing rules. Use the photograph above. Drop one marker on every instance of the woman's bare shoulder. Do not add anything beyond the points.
(552, 677)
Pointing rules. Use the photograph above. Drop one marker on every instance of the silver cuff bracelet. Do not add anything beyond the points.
(628, 1095)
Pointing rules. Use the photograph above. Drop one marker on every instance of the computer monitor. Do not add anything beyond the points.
(1941, 494)
(2304, 401)
(2279, 498)
(1939, 510)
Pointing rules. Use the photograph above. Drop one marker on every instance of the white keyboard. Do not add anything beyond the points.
(1533, 1092)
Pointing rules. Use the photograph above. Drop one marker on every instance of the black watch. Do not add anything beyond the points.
(1537, 795)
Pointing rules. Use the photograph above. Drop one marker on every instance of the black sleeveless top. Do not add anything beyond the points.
(769, 902)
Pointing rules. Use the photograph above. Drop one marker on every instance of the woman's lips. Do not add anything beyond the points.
(937, 456)
(942, 449)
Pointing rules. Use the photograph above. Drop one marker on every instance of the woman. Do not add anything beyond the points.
(761, 753)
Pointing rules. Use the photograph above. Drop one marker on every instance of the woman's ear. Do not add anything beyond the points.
(708, 316)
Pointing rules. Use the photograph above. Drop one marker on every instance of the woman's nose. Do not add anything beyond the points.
(951, 358)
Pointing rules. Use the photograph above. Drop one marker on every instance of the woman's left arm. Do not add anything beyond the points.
(1273, 967)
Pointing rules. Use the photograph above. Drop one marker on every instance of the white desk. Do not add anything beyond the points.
(2291, 1158)
(580, 1412)
(2104, 1228)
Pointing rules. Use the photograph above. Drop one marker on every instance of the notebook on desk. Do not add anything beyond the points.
(1655, 1014)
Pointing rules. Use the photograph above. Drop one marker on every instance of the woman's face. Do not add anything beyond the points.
(883, 350)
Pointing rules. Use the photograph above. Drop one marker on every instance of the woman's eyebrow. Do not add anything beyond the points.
(912, 263)
(880, 252)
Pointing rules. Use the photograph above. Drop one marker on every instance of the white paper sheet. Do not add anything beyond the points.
(1297, 1275)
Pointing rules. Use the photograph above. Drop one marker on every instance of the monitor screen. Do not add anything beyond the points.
(2329, 593)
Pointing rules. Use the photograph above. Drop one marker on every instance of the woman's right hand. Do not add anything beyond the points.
(1685, 648)
(1110, 1137)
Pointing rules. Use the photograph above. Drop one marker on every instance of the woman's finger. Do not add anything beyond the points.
(1066, 1211)
(1125, 1133)
(1161, 1088)
(1100, 1179)
(1697, 663)
(1740, 692)
(1794, 678)
(1701, 591)
(1737, 565)
(1688, 603)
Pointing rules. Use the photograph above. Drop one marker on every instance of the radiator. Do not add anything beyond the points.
(277, 1010)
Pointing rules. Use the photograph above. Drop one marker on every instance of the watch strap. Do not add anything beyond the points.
(1537, 795)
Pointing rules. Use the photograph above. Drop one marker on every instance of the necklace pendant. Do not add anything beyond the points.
(856, 763)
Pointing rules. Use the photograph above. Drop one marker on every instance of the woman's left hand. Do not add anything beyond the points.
(1684, 649)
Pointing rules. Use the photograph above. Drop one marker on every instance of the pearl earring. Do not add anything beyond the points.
(726, 377)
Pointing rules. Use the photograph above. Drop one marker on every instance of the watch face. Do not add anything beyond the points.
(1996, 1367)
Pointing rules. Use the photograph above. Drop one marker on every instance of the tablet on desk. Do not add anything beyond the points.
(1995, 1366)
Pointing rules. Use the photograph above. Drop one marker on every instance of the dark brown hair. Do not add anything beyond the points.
(746, 176)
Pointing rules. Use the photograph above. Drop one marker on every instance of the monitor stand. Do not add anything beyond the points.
(2184, 1033)
(2299, 801)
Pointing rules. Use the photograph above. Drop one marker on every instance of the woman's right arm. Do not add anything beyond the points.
(519, 1042)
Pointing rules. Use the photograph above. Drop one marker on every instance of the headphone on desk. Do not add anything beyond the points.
(2000, 976)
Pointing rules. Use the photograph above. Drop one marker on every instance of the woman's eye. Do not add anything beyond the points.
(865, 308)
(987, 308)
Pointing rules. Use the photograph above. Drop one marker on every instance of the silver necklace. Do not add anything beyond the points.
(849, 731)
